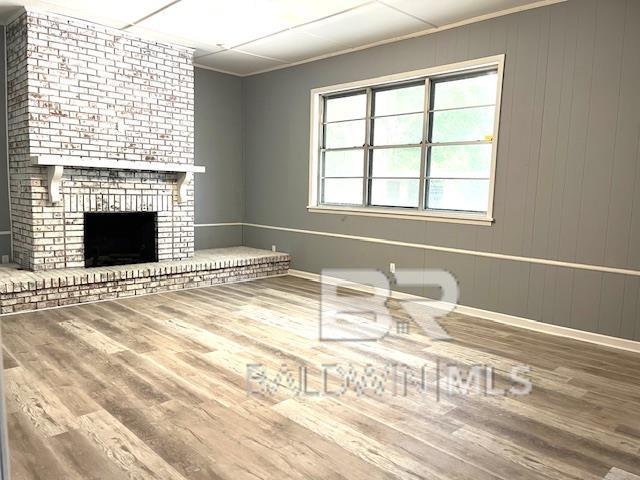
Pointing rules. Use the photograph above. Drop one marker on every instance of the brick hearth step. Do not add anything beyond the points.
(23, 290)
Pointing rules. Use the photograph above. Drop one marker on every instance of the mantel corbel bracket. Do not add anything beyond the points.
(184, 178)
(54, 178)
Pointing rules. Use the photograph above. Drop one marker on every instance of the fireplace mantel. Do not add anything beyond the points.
(56, 163)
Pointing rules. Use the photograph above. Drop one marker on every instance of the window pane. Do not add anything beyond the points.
(461, 161)
(345, 108)
(466, 195)
(399, 100)
(344, 134)
(343, 191)
(395, 193)
(465, 92)
(405, 129)
(396, 162)
(462, 125)
(343, 163)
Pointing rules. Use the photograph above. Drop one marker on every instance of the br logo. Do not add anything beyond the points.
(353, 315)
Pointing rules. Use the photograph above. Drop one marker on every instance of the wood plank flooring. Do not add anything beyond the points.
(155, 387)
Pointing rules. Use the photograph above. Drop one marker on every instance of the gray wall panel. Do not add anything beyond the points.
(218, 236)
(585, 300)
(481, 282)
(625, 154)
(574, 160)
(601, 131)
(554, 121)
(634, 239)
(5, 242)
(537, 122)
(560, 171)
(611, 304)
(523, 68)
(549, 308)
(567, 168)
(218, 145)
(561, 296)
(513, 288)
(535, 298)
(630, 327)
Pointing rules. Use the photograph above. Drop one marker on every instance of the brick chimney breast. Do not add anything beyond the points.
(89, 93)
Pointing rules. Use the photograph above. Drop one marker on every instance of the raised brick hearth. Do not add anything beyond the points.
(21, 291)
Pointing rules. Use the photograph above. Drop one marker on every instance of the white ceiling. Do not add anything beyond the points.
(248, 36)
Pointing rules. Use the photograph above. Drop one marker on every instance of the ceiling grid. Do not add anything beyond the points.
(244, 37)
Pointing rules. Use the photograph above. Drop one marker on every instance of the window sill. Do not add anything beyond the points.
(468, 219)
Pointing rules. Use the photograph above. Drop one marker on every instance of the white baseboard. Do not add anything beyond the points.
(511, 320)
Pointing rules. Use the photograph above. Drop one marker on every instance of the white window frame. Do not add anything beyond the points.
(317, 95)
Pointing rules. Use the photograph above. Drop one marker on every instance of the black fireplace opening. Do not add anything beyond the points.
(120, 238)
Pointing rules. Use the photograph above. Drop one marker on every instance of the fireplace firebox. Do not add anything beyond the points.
(120, 238)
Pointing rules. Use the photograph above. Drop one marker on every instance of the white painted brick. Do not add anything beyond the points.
(67, 98)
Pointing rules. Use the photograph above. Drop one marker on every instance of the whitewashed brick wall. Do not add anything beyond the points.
(79, 89)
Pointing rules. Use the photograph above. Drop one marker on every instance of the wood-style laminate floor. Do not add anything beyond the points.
(156, 387)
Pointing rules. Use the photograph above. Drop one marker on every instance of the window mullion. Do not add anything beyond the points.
(321, 155)
(424, 157)
(367, 156)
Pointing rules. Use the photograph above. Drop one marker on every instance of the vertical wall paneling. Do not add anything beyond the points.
(611, 304)
(604, 101)
(623, 171)
(567, 165)
(567, 180)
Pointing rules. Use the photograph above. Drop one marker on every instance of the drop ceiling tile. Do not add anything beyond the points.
(292, 45)
(214, 22)
(234, 61)
(113, 13)
(297, 12)
(366, 24)
(200, 48)
(440, 13)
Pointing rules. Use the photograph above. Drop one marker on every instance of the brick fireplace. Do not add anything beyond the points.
(101, 127)
(99, 121)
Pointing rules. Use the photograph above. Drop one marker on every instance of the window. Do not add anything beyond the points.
(420, 144)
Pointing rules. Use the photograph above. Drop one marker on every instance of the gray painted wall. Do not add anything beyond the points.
(568, 169)
(218, 143)
(5, 239)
